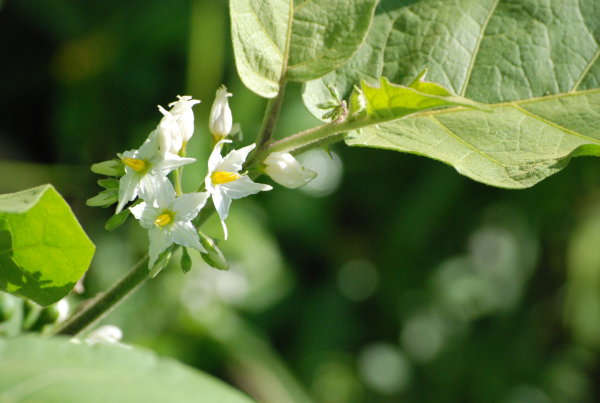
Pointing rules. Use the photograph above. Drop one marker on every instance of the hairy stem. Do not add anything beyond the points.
(317, 136)
(99, 306)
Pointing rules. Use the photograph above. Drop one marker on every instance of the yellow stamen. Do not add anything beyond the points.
(163, 219)
(135, 164)
(224, 177)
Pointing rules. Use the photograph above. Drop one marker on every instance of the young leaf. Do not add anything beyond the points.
(275, 39)
(43, 249)
(390, 101)
(57, 370)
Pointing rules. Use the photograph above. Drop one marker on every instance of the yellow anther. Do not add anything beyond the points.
(163, 219)
(224, 177)
(135, 164)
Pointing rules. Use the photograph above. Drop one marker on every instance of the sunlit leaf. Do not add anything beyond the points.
(56, 370)
(43, 249)
(492, 52)
(276, 39)
(517, 145)
(325, 34)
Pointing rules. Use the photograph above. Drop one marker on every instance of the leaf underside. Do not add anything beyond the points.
(537, 61)
(302, 40)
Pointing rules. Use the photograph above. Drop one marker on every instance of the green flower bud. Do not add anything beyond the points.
(214, 258)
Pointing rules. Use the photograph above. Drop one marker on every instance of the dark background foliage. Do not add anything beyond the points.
(400, 281)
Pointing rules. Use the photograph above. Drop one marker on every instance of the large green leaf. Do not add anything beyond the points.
(43, 249)
(58, 371)
(516, 146)
(493, 52)
(276, 39)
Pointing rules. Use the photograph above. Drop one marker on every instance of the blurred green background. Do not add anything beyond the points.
(391, 278)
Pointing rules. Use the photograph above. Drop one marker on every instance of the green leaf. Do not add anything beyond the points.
(325, 34)
(517, 145)
(56, 370)
(43, 249)
(273, 39)
(260, 33)
(493, 52)
(390, 101)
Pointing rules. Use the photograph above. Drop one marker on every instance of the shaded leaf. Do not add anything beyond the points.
(43, 249)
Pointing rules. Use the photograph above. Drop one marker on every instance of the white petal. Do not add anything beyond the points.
(220, 120)
(235, 159)
(215, 157)
(128, 186)
(243, 187)
(158, 191)
(222, 203)
(149, 149)
(188, 205)
(184, 233)
(169, 134)
(138, 210)
(159, 241)
(169, 162)
(284, 169)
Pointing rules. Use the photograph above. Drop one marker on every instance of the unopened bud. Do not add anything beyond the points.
(220, 115)
(284, 169)
(214, 257)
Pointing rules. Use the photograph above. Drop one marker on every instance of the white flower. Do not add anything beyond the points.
(284, 169)
(225, 183)
(143, 169)
(168, 219)
(177, 125)
(220, 121)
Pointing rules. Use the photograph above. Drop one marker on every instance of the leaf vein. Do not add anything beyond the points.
(465, 143)
(477, 46)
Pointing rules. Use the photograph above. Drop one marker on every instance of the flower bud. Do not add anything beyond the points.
(284, 169)
(177, 125)
(220, 115)
(214, 257)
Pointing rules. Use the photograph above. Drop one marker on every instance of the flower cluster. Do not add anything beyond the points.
(161, 207)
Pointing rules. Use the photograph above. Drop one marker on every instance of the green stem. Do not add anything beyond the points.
(272, 112)
(317, 136)
(103, 303)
